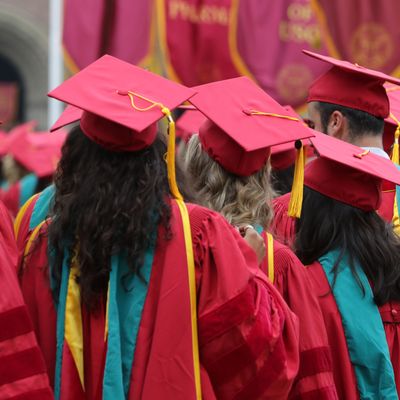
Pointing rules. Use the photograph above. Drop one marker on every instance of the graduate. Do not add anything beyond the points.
(133, 293)
(36, 155)
(348, 102)
(353, 262)
(22, 368)
(228, 166)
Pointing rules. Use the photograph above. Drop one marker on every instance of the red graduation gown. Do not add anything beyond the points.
(248, 338)
(344, 375)
(315, 377)
(10, 198)
(22, 369)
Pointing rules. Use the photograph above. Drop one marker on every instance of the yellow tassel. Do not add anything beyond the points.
(171, 156)
(395, 151)
(296, 197)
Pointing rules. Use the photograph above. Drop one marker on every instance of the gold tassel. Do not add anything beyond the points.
(296, 196)
(395, 151)
(171, 156)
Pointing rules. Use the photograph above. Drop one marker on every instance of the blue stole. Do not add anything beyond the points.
(42, 207)
(363, 328)
(27, 186)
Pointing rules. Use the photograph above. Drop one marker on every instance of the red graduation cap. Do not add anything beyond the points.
(391, 131)
(15, 135)
(244, 123)
(188, 123)
(348, 173)
(351, 85)
(70, 115)
(120, 102)
(38, 152)
(284, 155)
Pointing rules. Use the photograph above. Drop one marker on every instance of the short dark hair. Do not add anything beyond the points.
(360, 122)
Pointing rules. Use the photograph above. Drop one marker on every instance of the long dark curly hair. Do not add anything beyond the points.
(364, 237)
(106, 203)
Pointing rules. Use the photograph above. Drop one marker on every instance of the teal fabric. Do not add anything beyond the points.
(398, 193)
(4, 185)
(42, 206)
(60, 306)
(259, 229)
(363, 328)
(27, 187)
(127, 295)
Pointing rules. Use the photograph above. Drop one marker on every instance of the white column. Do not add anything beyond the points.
(55, 60)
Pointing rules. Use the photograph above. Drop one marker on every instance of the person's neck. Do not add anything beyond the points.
(368, 141)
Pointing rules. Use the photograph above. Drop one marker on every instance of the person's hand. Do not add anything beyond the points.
(254, 240)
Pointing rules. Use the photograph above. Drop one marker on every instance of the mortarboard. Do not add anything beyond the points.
(121, 104)
(284, 155)
(243, 124)
(391, 131)
(348, 173)
(16, 134)
(351, 85)
(188, 123)
(38, 152)
(70, 115)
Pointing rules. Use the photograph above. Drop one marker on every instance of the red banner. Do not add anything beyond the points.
(364, 32)
(199, 41)
(208, 40)
(8, 102)
(270, 37)
(122, 28)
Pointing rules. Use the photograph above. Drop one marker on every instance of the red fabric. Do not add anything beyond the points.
(387, 205)
(189, 123)
(344, 184)
(21, 365)
(10, 198)
(283, 227)
(102, 89)
(390, 314)
(71, 387)
(39, 300)
(38, 152)
(361, 162)
(15, 322)
(116, 137)
(315, 371)
(351, 85)
(70, 115)
(225, 267)
(23, 230)
(228, 153)
(351, 90)
(241, 139)
(343, 370)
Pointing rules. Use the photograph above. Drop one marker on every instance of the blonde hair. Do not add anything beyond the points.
(241, 200)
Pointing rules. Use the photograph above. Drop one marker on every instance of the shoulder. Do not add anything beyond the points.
(281, 202)
(285, 258)
(202, 218)
(22, 221)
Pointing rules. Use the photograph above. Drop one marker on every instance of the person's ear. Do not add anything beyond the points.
(337, 126)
